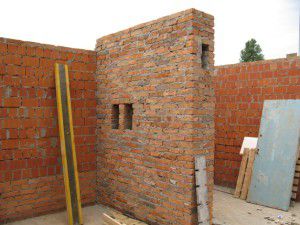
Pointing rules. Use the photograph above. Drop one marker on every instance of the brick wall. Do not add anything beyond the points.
(240, 90)
(164, 69)
(148, 172)
(31, 180)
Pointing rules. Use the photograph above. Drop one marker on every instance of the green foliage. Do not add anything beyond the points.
(252, 52)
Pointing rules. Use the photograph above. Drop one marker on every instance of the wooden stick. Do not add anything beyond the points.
(110, 220)
(242, 171)
(248, 174)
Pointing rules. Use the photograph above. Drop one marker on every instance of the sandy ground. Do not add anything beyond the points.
(227, 211)
(92, 215)
(232, 211)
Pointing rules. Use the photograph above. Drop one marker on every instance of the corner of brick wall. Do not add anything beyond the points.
(240, 91)
(155, 66)
(148, 172)
(31, 180)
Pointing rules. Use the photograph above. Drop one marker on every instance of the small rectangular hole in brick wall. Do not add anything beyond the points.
(205, 56)
(128, 116)
(115, 117)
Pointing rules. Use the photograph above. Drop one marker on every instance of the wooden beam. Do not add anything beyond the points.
(248, 174)
(242, 172)
(111, 221)
(67, 145)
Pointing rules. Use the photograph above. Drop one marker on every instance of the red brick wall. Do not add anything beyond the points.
(240, 90)
(148, 172)
(30, 164)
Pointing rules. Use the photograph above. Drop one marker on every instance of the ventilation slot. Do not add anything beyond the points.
(205, 56)
(128, 116)
(115, 117)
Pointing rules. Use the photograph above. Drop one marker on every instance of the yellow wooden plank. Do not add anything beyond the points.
(62, 144)
(73, 146)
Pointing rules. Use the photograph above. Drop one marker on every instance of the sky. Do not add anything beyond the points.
(72, 23)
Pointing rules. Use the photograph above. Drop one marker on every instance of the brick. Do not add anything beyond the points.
(30, 102)
(29, 81)
(16, 49)
(12, 102)
(11, 123)
(47, 82)
(13, 59)
(3, 48)
(11, 81)
(9, 144)
(48, 63)
(31, 61)
(15, 70)
(76, 85)
(90, 85)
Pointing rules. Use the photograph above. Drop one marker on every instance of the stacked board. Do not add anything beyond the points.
(296, 187)
(245, 173)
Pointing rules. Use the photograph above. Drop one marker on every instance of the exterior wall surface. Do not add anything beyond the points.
(240, 92)
(31, 180)
(148, 172)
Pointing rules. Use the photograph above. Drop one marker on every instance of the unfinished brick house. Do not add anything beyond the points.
(145, 103)
(143, 107)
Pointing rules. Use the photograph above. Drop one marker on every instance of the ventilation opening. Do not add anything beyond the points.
(204, 56)
(128, 116)
(115, 117)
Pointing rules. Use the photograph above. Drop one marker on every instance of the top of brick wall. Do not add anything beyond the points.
(177, 17)
(261, 62)
(263, 65)
(44, 46)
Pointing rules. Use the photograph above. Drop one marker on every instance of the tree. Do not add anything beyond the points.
(252, 52)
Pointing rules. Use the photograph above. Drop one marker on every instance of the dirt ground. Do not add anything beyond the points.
(232, 211)
(227, 211)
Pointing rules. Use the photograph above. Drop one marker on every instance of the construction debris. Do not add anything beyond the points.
(229, 210)
(111, 221)
(201, 190)
(245, 174)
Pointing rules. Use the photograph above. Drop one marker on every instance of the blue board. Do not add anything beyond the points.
(274, 165)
